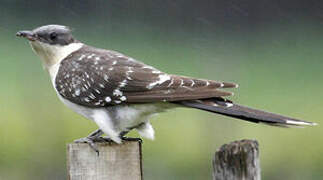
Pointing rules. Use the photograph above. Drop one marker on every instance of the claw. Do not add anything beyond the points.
(93, 137)
(90, 141)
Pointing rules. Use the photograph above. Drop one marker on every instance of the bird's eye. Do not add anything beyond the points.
(52, 36)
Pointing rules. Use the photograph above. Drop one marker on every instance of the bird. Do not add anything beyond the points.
(120, 93)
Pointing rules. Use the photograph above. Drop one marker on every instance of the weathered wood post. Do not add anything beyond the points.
(115, 161)
(238, 160)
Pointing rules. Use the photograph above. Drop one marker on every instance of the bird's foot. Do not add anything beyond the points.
(96, 137)
(91, 139)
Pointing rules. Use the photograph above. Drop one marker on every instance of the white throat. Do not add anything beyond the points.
(52, 55)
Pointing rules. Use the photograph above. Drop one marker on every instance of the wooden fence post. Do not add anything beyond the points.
(238, 160)
(115, 161)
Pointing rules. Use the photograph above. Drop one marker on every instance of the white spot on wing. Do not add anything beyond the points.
(228, 104)
(86, 74)
(106, 77)
(77, 92)
(101, 85)
(182, 82)
(123, 83)
(86, 99)
(97, 91)
(92, 96)
(130, 70)
(193, 82)
(171, 82)
(83, 56)
(117, 92)
(162, 79)
(107, 99)
(123, 98)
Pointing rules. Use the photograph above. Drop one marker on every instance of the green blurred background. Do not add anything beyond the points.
(273, 49)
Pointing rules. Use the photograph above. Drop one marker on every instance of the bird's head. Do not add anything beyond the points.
(51, 42)
(56, 35)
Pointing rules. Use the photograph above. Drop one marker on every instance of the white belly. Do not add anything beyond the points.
(128, 116)
(82, 110)
(122, 117)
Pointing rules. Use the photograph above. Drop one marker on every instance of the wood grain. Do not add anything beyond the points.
(238, 160)
(115, 161)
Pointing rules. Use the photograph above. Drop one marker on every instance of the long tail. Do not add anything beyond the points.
(228, 108)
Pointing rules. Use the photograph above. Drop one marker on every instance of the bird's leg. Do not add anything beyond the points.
(96, 133)
(121, 135)
(90, 139)
(124, 138)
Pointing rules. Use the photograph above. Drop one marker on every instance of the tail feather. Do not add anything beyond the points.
(228, 108)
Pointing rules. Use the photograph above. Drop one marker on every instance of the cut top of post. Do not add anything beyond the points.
(238, 160)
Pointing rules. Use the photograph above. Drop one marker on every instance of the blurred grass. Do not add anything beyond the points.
(278, 67)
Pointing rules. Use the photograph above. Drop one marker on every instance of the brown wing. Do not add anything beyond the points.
(95, 77)
(166, 87)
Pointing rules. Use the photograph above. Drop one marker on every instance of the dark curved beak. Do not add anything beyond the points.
(26, 34)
